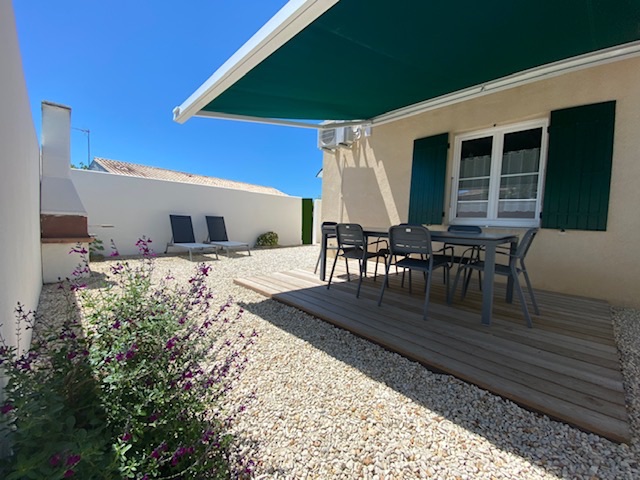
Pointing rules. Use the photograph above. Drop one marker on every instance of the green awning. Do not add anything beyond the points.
(361, 59)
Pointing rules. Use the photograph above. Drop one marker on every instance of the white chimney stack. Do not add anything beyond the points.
(63, 219)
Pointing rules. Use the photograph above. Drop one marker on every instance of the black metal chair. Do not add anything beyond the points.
(405, 240)
(515, 267)
(471, 254)
(352, 245)
(330, 235)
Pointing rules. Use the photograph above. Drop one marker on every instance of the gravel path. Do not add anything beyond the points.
(323, 403)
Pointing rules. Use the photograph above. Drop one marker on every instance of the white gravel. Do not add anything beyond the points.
(323, 403)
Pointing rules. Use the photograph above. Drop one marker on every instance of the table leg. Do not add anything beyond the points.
(323, 256)
(487, 287)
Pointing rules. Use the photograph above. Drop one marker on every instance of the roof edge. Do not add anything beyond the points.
(282, 27)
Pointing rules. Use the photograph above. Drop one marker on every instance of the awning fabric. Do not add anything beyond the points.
(363, 58)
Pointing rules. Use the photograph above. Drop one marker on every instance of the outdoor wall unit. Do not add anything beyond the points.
(331, 138)
(63, 219)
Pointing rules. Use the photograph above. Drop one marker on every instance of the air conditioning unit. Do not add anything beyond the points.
(330, 138)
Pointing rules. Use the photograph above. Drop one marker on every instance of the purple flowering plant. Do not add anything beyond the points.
(147, 363)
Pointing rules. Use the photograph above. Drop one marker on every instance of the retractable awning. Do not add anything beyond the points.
(377, 60)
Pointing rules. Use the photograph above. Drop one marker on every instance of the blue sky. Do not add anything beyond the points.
(123, 65)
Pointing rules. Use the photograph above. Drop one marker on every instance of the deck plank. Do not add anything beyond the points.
(567, 366)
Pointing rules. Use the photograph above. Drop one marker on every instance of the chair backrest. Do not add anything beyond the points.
(182, 229)
(525, 243)
(464, 228)
(217, 229)
(329, 225)
(350, 235)
(405, 239)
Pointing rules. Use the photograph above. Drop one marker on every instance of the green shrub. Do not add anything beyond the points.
(269, 239)
(133, 389)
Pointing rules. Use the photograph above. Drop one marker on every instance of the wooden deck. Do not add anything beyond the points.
(567, 366)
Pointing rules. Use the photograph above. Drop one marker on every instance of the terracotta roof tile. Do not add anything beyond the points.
(134, 170)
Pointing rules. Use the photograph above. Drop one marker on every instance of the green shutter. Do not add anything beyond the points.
(426, 201)
(579, 167)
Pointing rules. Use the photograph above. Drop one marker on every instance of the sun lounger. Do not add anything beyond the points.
(218, 236)
(183, 237)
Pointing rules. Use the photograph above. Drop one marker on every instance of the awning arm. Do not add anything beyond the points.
(288, 123)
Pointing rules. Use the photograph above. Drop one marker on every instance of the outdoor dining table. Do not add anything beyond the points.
(488, 241)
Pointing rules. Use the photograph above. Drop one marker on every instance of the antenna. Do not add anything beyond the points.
(88, 132)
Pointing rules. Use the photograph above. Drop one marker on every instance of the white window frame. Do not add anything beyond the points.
(498, 134)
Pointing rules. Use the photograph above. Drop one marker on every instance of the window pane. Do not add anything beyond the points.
(519, 187)
(517, 209)
(519, 177)
(521, 153)
(476, 158)
(476, 189)
(475, 172)
(472, 210)
(521, 161)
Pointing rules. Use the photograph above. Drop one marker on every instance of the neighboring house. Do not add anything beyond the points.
(507, 117)
(134, 170)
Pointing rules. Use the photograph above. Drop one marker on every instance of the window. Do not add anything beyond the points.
(498, 175)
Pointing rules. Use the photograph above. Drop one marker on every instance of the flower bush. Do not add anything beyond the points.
(130, 389)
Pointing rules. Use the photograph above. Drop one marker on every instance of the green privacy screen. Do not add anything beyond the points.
(363, 58)
(579, 167)
(428, 172)
(307, 221)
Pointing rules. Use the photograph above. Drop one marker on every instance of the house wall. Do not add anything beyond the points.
(136, 206)
(20, 271)
(370, 183)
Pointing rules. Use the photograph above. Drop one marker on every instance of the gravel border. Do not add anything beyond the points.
(323, 403)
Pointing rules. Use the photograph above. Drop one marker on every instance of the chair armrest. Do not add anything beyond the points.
(470, 255)
(379, 241)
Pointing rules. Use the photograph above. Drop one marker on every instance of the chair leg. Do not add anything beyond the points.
(335, 260)
(523, 302)
(426, 295)
(452, 291)
(375, 272)
(467, 281)
(533, 298)
(386, 280)
(361, 277)
(447, 284)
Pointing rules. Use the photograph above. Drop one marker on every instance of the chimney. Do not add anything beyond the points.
(63, 219)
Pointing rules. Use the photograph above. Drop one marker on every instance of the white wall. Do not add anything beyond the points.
(141, 206)
(20, 267)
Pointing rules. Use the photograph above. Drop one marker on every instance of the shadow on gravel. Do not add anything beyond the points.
(533, 437)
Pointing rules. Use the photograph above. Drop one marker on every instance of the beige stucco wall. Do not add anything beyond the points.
(20, 271)
(369, 183)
